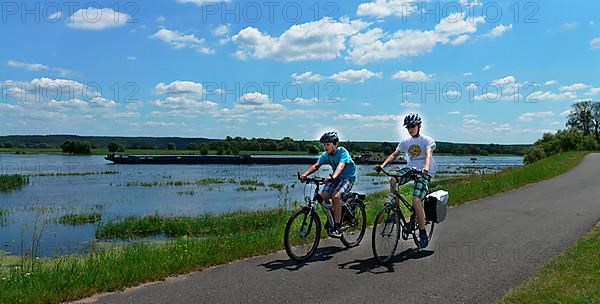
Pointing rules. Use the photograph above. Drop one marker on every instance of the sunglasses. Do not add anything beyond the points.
(410, 126)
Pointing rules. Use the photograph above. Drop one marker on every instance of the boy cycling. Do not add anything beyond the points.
(419, 153)
(340, 181)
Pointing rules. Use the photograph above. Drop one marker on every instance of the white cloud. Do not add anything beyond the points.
(222, 30)
(471, 116)
(368, 118)
(55, 103)
(306, 76)
(550, 82)
(38, 67)
(254, 98)
(506, 88)
(179, 40)
(550, 96)
(318, 40)
(384, 8)
(452, 93)
(498, 31)
(366, 104)
(354, 76)
(410, 104)
(131, 58)
(161, 19)
(530, 116)
(460, 40)
(97, 19)
(568, 26)
(573, 87)
(487, 67)
(592, 92)
(467, 74)
(375, 44)
(565, 112)
(454, 113)
(409, 75)
(302, 101)
(502, 128)
(470, 122)
(179, 87)
(595, 43)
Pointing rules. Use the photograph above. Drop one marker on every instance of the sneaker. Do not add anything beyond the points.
(424, 239)
(335, 233)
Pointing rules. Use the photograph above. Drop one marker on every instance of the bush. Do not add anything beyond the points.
(204, 150)
(192, 146)
(171, 146)
(312, 150)
(534, 154)
(76, 147)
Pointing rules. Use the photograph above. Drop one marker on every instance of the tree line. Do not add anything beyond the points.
(582, 133)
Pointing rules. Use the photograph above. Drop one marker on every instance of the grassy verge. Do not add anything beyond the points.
(203, 226)
(572, 277)
(12, 182)
(228, 238)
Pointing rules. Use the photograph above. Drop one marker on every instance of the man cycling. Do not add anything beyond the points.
(340, 181)
(419, 153)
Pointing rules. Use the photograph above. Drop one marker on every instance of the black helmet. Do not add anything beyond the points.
(331, 137)
(412, 119)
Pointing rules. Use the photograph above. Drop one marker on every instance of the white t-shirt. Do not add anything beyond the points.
(415, 150)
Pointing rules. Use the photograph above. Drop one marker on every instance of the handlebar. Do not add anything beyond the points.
(412, 171)
(311, 180)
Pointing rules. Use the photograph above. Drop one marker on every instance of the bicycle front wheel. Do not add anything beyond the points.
(356, 225)
(302, 235)
(386, 233)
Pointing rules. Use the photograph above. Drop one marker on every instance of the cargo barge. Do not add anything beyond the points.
(364, 158)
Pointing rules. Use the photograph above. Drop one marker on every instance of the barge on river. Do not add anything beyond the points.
(363, 158)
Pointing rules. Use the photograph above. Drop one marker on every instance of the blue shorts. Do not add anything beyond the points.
(340, 185)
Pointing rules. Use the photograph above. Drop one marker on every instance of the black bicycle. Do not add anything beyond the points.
(390, 224)
(303, 229)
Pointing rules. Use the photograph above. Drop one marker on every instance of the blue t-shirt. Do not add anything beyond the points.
(341, 156)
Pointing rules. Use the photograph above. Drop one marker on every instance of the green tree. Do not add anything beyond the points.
(192, 146)
(171, 146)
(113, 147)
(204, 150)
(312, 149)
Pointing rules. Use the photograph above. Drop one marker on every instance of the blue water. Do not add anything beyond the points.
(48, 197)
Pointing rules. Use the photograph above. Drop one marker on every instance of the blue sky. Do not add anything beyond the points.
(478, 71)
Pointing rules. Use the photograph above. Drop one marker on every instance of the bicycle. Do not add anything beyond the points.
(390, 224)
(303, 228)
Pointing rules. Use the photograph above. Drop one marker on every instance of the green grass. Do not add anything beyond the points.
(204, 225)
(12, 182)
(210, 240)
(572, 277)
(205, 181)
(77, 218)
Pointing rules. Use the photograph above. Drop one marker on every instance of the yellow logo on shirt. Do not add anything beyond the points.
(414, 150)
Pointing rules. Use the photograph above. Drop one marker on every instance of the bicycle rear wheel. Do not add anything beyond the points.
(386, 233)
(302, 235)
(357, 224)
